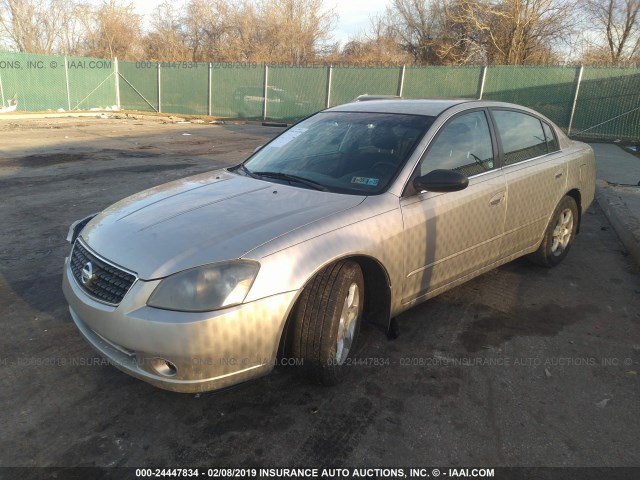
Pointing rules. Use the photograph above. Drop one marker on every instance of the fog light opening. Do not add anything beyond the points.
(164, 367)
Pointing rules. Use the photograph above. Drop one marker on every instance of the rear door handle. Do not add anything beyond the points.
(559, 174)
(496, 199)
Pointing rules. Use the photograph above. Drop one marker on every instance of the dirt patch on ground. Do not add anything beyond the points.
(37, 161)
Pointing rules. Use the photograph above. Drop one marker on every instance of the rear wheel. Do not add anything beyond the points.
(559, 234)
(327, 321)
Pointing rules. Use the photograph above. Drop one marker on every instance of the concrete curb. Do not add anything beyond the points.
(626, 226)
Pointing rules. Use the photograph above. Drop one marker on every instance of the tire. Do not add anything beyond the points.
(559, 235)
(327, 320)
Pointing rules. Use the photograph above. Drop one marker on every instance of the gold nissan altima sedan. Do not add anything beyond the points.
(354, 214)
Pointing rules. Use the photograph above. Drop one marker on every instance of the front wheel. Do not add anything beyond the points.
(559, 234)
(327, 321)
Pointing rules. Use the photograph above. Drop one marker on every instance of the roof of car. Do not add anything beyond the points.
(431, 108)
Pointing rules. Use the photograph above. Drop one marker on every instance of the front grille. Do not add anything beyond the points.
(108, 283)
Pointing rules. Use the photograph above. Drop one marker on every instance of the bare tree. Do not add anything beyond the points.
(379, 45)
(72, 30)
(473, 31)
(272, 31)
(294, 30)
(618, 22)
(166, 39)
(113, 29)
(246, 37)
(36, 26)
(515, 32)
(204, 23)
(269, 31)
(419, 26)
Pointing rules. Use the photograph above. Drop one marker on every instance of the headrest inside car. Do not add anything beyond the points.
(384, 138)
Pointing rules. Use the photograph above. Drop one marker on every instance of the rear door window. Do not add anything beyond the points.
(521, 135)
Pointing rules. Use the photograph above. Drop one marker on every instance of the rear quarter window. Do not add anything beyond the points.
(552, 141)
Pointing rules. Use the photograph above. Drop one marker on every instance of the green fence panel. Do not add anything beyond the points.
(607, 93)
(138, 86)
(349, 82)
(295, 92)
(442, 82)
(184, 87)
(92, 83)
(608, 104)
(37, 81)
(549, 90)
(237, 90)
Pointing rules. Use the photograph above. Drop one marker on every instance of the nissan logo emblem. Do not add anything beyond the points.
(87, 276)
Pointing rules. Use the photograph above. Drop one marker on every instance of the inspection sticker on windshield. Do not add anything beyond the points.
(372, 182)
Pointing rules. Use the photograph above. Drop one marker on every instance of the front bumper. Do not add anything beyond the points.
(207, 351)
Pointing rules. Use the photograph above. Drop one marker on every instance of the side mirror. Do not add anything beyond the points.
(441, 181)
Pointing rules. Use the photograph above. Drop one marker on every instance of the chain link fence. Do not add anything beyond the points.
(590, 102)
(548, 90)
(442, 82)
(43, 82)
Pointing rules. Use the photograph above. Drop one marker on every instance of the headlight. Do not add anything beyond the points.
(206, 288)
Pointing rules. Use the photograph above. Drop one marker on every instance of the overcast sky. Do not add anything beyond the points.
(353, 15)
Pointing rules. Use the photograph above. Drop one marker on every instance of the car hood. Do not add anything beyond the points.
(203, 219)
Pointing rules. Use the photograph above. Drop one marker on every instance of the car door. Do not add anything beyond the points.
(536, 175)
(448, 236)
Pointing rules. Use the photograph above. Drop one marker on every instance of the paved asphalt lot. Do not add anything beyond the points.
(522, 366)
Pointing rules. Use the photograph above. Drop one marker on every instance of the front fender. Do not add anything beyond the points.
(375, 235)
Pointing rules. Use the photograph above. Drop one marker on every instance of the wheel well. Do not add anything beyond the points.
(377, 293)
(575, 194)
(377, 298)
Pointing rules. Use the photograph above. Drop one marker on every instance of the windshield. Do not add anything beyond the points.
(342, 152)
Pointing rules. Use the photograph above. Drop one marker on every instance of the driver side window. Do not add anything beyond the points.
(463, 145)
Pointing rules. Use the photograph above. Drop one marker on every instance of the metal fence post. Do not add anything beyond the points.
(327, 103)
(264, 92)
(159, 90)
(116, 72)
(401, 80)
(575, 99)
(1, 91)
(66, 78)
(209, 91)
(483, 78)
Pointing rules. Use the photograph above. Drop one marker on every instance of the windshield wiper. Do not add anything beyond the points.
(245, 170)
(293, 178)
